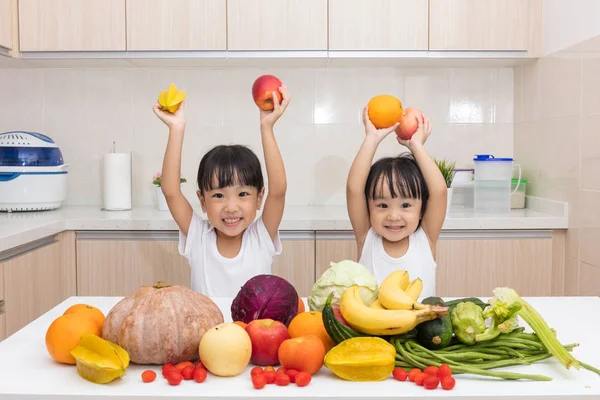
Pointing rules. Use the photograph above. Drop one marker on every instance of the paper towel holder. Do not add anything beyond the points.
(129, 184)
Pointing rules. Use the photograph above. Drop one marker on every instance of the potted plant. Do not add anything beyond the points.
(447, 168)
(160, 197)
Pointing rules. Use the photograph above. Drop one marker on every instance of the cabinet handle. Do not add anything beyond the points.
(28, 247)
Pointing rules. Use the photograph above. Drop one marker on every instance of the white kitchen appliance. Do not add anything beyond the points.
(33, 175)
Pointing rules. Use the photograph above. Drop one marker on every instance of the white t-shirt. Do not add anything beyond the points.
(217, 276)
(418, 259)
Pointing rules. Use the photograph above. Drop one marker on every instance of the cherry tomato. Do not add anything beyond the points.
(148, 375)
(200, 375)
(303, 378)
(431, 370)
(399, 374)
(448, 383)
(444, 371)
(256, 371)
(282, 380)
(431, 382)
(420, 378)
(259, 381)
(413, 374)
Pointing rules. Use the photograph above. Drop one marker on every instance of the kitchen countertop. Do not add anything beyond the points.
(30, 373)
(20, 228)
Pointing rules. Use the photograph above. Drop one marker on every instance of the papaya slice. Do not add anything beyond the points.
(99, 360)
(171, 98)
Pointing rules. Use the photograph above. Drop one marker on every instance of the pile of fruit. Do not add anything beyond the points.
(358, 330)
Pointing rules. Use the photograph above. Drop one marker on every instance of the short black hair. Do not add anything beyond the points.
(403, 177)
(230, 164)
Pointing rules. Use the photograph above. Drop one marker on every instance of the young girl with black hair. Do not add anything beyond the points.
(397, 206)
(232, 246)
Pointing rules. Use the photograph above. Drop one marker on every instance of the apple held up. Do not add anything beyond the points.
(262, 91)
(409, 123)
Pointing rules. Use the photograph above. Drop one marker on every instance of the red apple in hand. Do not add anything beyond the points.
(409, 123)
(266, 336)
(262, 91)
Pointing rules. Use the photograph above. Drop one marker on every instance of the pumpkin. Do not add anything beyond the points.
(161, 323)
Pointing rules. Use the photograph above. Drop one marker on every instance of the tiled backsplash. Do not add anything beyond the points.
(85, 110)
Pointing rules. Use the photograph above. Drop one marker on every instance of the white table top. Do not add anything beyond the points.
(28, 372)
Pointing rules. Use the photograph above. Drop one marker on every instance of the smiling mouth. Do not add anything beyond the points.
(394, 228)
(230, 222)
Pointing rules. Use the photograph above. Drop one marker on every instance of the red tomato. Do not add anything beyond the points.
(148, 376)
(174, 377)
(420, 378)
(413, 374)
(444, 371)
(399, 374)
(303, 378)
(200, 375)
(431, 382)
(256, 371)
(431, 370)
(270, 375)
(292, 374)
(259, 381)
(448, 383)
(188, 372)
(282, 380)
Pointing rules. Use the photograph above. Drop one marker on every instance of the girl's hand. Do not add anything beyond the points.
(268, 118)
(371, 131)
(174, 120)
(420, 136)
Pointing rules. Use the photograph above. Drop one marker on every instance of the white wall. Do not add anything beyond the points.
(568, 22)
(84, 110)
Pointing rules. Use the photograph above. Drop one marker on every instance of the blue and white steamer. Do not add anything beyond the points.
(33, 175)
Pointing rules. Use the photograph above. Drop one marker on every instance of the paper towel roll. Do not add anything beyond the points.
(117, 181)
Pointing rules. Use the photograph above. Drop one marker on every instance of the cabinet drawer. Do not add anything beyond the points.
(1, 281)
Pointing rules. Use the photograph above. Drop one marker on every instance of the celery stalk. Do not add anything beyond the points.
(539, 326)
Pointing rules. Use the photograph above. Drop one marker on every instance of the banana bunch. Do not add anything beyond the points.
(381, 321)
(397, 292)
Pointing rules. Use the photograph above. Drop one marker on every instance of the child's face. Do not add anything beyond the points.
(231, 209)
(394, 218)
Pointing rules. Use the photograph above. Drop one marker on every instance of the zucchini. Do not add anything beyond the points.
(337, 331)
(435, 334)
(475, 300)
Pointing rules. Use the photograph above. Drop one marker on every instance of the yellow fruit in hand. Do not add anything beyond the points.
(171, 98)
(99, 360)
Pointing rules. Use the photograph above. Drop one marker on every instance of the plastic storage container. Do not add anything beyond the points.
(517, 199)
(493, 178)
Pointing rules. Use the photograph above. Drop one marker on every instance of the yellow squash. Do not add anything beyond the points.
(171, 98)
(362, 359)
(99, 360)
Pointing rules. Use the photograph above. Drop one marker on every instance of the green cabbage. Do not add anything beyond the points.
(338, 278)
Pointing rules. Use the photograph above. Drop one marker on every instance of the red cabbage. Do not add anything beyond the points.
(265, 296)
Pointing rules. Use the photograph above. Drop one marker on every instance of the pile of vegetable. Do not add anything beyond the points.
(473, 337)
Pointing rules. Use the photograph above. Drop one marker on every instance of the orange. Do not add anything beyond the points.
(240, 323)
(304, 354)
(300, 305)
(384, 110)
(64, 334)
(91, 312)
(310, 323)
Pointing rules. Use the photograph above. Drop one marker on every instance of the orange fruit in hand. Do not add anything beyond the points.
(304, 354)
(310, 323)
(384, 111)
(91, 312)
(65, 332)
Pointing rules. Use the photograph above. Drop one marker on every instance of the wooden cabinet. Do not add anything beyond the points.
(2, 307)
(297, 261)
(378, 24)
(37, 277)
(478, 25)
(117, 263)
(277, 24)
(6, 24)
(176, 25)
(72, 25)
(331, 247)
(475, 266)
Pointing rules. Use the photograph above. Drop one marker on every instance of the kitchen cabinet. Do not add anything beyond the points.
(478, 25)
(334, 246)
(72, 25)
(37, 277)
(378, 24)
(277, 24)
(118, 263)
(2, 308)
(474, 267)
(6, 24)
(183, 25)
(296, 263)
